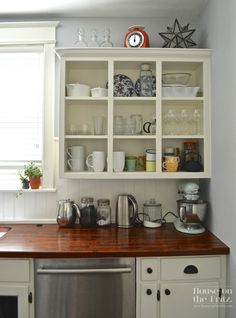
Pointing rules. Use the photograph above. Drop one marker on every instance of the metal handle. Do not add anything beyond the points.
(119, 270)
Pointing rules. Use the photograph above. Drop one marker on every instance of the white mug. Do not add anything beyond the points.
(76, 164)
(96, 160)
(118, 161)
(75, 152)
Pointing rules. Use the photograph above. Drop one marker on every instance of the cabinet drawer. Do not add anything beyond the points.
(190, 268)
(149, 269)
(14, 270)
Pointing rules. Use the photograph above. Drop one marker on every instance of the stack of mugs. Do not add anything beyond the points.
(76, 158)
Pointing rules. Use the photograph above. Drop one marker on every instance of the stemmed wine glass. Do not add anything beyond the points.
(169, 122)
(196, 117)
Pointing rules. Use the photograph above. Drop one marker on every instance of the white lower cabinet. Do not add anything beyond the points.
(16, 288)
(178, 300)
(180, 287)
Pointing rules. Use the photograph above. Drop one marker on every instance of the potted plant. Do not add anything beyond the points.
(24, 180)
(34, 173)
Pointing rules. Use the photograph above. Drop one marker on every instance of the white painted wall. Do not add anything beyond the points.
(217, 29)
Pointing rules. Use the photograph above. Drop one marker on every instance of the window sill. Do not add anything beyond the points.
(30, 190)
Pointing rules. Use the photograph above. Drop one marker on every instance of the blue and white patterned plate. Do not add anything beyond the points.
(122, 86)
(137, 86)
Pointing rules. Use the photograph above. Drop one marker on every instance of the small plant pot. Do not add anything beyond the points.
(25, 184)
(35, 182)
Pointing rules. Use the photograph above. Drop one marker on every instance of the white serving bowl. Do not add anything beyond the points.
(78, 90)
(179, 91)
(99, 92)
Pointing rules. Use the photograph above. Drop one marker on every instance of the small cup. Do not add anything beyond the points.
(118, 161)
(75, 152)
(76, 164)
(170, 166)
(96, 161)
(171, 159)
(131, 163)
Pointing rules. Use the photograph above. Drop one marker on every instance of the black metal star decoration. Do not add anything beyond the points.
(178, 36)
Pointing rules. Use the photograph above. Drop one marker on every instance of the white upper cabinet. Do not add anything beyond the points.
(176, 117)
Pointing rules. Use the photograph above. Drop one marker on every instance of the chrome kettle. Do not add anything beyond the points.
(67, 213)
(126, 210)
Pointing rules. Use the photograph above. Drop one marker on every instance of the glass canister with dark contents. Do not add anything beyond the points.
(88, 212)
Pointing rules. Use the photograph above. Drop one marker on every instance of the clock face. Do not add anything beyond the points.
(135, 39)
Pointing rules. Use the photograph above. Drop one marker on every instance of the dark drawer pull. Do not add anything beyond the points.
(191, 269)
(149, 270)
(149, 291)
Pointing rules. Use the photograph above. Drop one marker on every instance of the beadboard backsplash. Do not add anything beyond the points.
(42, 206)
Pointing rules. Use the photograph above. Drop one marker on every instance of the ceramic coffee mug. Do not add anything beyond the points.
(75, 152)
(118, 161)
(171, 159)
(96, 160)
(130, 163)
(170, 166)
(76, 164)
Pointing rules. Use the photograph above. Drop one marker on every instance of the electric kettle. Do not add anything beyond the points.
(126, 210)
(67, 213)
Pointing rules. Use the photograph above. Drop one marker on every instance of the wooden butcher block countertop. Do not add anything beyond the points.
(50, 241)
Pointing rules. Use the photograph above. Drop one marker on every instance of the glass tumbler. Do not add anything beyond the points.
(118, 125)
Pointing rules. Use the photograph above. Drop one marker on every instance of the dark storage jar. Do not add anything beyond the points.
(88, 212)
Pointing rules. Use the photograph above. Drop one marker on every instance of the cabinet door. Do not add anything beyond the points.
(14, 301)
(189, 300)
(147, 305)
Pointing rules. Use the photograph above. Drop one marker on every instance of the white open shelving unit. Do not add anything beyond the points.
(96, 67)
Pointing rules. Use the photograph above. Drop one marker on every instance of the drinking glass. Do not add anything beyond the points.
(119, 125)
(170, 122)
(196, 117)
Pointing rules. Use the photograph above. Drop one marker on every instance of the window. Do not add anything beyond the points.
(26, 99)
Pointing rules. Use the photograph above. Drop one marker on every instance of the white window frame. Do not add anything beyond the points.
(39, 33)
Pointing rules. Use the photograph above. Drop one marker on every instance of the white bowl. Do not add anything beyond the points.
(99, 92)
(179, 91)
(176, 78)
(78, 90)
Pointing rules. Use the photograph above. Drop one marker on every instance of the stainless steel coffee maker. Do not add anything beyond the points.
(191, 210)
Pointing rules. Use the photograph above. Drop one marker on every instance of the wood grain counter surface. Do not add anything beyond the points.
(50, 241)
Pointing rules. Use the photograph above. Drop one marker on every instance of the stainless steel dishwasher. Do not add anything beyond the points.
(85, 288)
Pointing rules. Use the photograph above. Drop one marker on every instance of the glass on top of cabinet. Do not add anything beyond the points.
(126, 81)
(86, 72)
(182, 79)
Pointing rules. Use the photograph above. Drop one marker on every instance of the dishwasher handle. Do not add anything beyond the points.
(118, 270)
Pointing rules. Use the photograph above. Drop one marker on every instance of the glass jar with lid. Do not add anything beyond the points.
(152, 211)
(88, 212)
(103, 212)
(145, 81)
